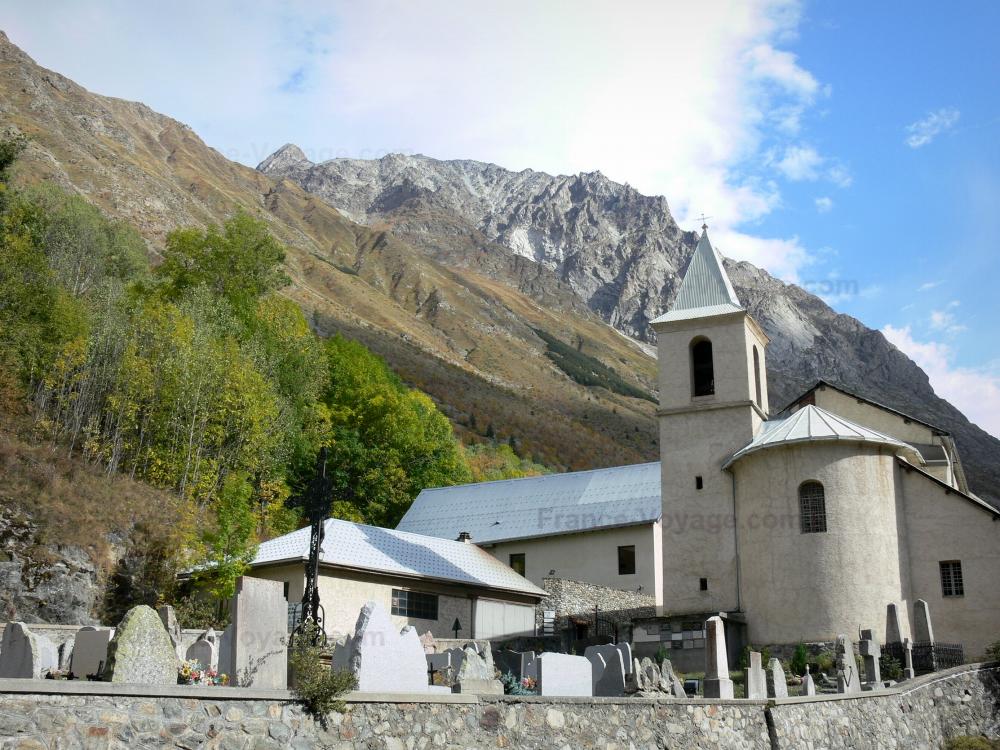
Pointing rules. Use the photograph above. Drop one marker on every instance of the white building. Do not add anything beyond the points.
(422, 581)
(796, 528)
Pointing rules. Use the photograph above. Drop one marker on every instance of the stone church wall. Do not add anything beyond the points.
(963, 701)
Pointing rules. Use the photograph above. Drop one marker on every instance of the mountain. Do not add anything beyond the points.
(623, 253)
(490, 290)
(477, 335)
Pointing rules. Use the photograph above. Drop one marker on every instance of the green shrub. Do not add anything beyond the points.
(799, 660)
(662, 653)
(890, 668)
(319, 688)
(825, 661)
(765, 656)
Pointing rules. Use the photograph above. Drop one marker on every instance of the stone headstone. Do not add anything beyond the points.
(65, 651)
(626, 651)
(669, 681)
(26, 655)
(848, 680)
(141, 652)
(563, 675)
(258, 647)
(808, 686)
(520, 664)
(776, 685)
(923, 632)
(650, 674)
(607, 670)
(893, 633)
(428, 642)
(634, 682)
(756, 679)
(475, 666)
(478, 687)
(383, 659)
(205, 650)
(438, 662)
(226, 653)
(870, 653)
(90, 651)
(169, 619)
(717, 682)
(908, 673)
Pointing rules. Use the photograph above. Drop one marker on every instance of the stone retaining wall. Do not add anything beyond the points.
(570, 598)
(40, 715)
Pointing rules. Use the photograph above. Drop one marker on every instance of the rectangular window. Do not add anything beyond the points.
(285, 588)
(703, 584)
(626, 560)
(951, 578)
(517, 563)
(698, 483)
(414, 604)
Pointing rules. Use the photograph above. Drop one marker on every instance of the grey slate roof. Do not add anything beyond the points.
(539, 506)
(373, 549)
(705, 289)
(812, 424)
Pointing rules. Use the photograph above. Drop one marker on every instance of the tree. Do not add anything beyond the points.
(387, 442)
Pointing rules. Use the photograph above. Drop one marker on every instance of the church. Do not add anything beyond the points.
(794, 527)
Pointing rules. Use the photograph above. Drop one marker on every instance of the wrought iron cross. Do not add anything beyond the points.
(317, 507)
(704, 220)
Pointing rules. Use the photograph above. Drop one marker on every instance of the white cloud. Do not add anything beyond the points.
(976, 393)
(922, 132)
(944, 320)
(928, 285)
(677, 99)
(800, 163)
(824, 204)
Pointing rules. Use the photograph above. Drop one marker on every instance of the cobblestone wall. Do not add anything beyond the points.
(963, 701)
(568, 598)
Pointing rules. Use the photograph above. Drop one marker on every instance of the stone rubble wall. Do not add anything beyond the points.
(570, 598)
(961, 701)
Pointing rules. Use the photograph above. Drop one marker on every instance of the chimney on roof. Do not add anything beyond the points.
(464, 536)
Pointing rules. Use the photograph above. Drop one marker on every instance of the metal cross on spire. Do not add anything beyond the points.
(704, 221)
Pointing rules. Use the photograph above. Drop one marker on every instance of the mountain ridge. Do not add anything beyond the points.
(623, 254)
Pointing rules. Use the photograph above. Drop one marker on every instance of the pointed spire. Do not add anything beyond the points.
(706, 288)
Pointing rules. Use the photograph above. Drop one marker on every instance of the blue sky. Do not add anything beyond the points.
(851, 147)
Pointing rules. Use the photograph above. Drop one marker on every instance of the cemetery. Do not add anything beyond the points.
(145, 678)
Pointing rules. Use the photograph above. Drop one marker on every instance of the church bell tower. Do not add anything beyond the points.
(713, 400)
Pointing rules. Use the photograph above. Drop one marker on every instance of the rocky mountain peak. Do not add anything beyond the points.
(285, 158)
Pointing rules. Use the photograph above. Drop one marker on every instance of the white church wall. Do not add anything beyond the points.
(812, 586)
(590, 556)
(871, 416)
(944, 526)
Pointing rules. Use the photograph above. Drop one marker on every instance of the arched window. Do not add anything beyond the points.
(812, 507)
(756, 372)
(702, 370)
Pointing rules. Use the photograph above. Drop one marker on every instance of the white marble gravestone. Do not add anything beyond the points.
(382, 658)
(564, 675)
(717, 682)
(756, 679)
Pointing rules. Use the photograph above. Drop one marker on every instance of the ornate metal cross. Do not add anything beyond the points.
(317, 507)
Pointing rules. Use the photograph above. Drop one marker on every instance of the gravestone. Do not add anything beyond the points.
(776, 685)
(848, 680)
(808, 686)
(908, 673)
(169, 619)
(563, 675)
(923, 631)
(258, 649)
(382, 658)
(756, 679)
(141, 652)
(65, 652)
(717, 682)
(90, 651)
(626, 651)
(428, 642)
(26, 655)
(607, 670)
(893, 632)
(670, 683)
(205, 650)
(870, 653)
(520, 664)
(438, 662)
(477, 675)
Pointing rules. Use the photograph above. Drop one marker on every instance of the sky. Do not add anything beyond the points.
(850, 147)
